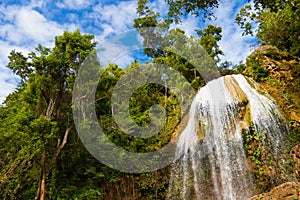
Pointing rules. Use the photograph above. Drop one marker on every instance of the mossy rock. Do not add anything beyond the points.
(286, 191)
(279, 74)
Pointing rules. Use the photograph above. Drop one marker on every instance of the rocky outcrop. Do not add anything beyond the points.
(286, 191)
(279, 74)
(295, 154)
(269, 61)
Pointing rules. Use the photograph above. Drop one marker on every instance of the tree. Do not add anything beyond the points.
(154, 37)
(282, 28)
(275, 22)
(151, 29)
(209, 38)
(195, 7)
(274, 5)
(179, 8)
(45, 97)
(58, 70)
(19, 65)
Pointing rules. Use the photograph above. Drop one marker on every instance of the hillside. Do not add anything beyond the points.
(279, 74)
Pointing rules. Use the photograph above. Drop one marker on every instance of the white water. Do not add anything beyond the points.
(210, 159)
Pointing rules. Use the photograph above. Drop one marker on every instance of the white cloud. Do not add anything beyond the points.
(7, 83)
(188, 25)
(26, 25)
(115, 18)
(159, 6)
(121, 49)
(6, 49)
(234, 45)
(110, 52)
(26, 22)
(8, 80)
(74, 4)
(22, 29)
(36, 27)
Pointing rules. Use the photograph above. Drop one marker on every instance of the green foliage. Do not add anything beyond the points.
(209, 38)
(246, 18)
(268, 169)
(294, 132)
(19, 151)
(277, 21)
(180, 8)
(257, 153)
(37, 117)
(195, 7)
(139, 108)
(151, 29)
(157, 34)
(227, 68)
(282, 28)
(274, 5)
(19, 65)
(257, 71)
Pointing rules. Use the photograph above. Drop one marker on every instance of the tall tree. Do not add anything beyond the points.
(48, 76)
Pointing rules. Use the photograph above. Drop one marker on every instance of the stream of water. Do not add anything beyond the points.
(210, 160)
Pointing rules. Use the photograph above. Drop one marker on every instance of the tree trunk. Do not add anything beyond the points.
(44, 170)
(41, 190)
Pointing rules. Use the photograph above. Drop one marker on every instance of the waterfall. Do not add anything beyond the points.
(211, 161)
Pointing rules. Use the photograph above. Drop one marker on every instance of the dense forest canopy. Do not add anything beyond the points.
(41, 154)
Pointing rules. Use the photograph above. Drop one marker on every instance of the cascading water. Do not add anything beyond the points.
(210, 160)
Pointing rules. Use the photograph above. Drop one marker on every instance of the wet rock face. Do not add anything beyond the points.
(295, 154)
(286, 191)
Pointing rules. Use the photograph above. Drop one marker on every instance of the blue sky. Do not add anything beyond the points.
(27, 23)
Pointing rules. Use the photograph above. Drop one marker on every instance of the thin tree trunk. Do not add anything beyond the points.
(44, 170)
(59, 147)
(133, 188)
(41, 190)
(43, 185)
(38, 191)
